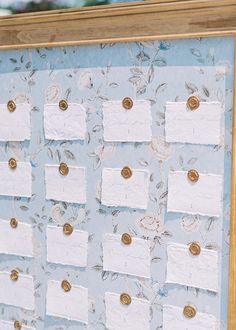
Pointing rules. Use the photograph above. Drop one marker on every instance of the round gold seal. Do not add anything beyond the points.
(126, 239)
(126, 172)
(193, 175)
(17, 325)
(127, 103)
(193, 102)
(14, 275)
(63, 169)
(63, 105)
(11, 106)
(12, 163)
(125, 299)
(189, 311)
(67, 229)
(195, 249)
(66, 286)
(13, 222)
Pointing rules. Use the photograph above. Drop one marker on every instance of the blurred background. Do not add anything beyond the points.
(8, 7)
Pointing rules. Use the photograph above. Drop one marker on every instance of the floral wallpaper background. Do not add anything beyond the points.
(157, 71)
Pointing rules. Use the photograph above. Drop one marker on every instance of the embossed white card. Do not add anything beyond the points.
(118, 191)
(203, 197)
(69, 124)
(68, 188)
(16, 241)
(15, 126)
(8, 325)
(72, 305)
(199, 271)
(129, 317)
(132, 125)
(133, 259)
(173, 319)
(18, 293)
(200, 126)
(16, 182)
(67, 249)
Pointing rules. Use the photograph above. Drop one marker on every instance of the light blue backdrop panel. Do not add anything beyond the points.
(159, 72)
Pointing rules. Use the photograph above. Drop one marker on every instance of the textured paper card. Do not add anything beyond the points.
(67, 249)
(196, 271)
(173, 319)
(15, 126)
(203, 197)
(65, 125)
(129, 317)
(69, 188)
(133, 259)
(15, 182)
(201, 126)
(18, 293)
(72, 305)
(7, 325)
(133, 125)
(16, 241)
(132, 192)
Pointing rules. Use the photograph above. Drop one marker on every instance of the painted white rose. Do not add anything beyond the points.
(190, 223)
(85, 80)
(149, 226)
(52, 94)
(57, 214)
(105, 152)
(160, 148)
(23, 98)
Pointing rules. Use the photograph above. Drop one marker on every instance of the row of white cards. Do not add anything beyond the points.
(133, 259)
(74, 305)
(203, 197)
(120, 125)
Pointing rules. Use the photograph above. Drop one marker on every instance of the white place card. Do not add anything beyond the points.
(15, 126)
(67, 249)
(173, 319)
(16, 182)
(65, 125)
(129, 317)
(8, 325)
(16, 241)
(201, 126)
(199, 271)
(203, 197)
(133, 125)
(18, 293)
(72, 305)
(68, 188)
(118, 191)
(133, 259)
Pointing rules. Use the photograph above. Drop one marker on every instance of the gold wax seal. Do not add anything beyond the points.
(14, 275)
(66, 286)
(12, 163)
(195, 249)
(125, 299)
(193, 175)
(67, 229)
(63, 105)
(127, 103)
(126, 172)
(17, 325)
(126, 239)
(63, 169)
(189, 311)
(11, 106)
(14, 222)
(193, 102)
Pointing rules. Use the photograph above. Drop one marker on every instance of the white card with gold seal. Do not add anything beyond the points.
(65, 121)
(17, 289)
(131, 315)
(127, 121)
(16, 181)
(203, 197)
(67, 247)
(125, 187)
(174, 319)
(69, 302)
(15, 122)
(68, 185)
(198, 126)
(198, 270)
(16, 240)
(126, 255)
(9, 325)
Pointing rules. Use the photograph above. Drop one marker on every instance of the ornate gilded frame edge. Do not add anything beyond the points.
(127, 22)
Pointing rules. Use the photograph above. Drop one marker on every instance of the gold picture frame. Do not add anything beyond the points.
(137, 21)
